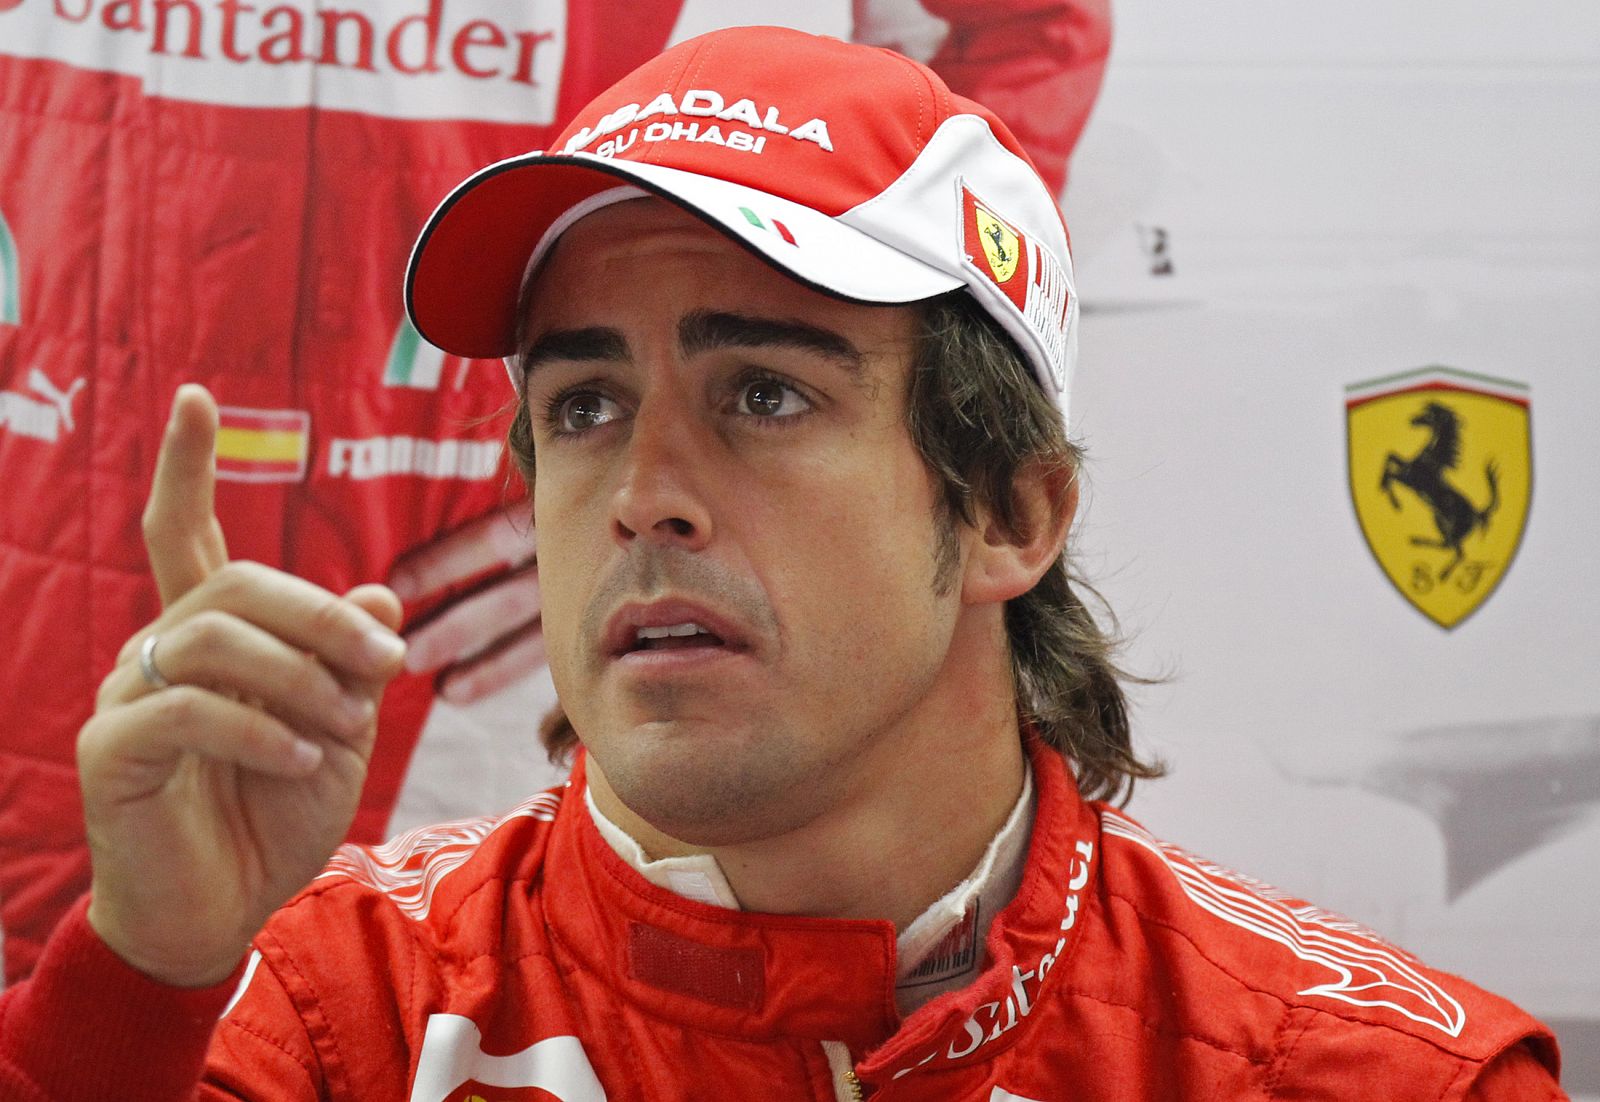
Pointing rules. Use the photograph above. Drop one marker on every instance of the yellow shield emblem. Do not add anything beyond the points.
(1000, 245)
(1441, 475)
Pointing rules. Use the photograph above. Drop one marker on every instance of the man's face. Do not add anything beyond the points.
(718, 446)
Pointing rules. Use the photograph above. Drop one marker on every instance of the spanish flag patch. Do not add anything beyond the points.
(263, 445)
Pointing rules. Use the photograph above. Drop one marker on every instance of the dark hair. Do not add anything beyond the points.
(978, 418)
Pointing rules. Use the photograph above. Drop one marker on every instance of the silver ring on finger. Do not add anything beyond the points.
(147, 663)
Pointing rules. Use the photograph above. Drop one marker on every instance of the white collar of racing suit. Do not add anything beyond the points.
(940, 951)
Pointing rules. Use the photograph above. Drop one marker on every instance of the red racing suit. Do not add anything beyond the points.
(521, 958)
(225, 192)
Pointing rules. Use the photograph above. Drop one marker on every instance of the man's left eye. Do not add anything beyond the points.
(770, 398)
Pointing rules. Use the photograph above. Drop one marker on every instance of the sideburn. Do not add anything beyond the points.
(946, 550)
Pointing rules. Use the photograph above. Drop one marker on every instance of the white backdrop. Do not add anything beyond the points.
(1346, 193)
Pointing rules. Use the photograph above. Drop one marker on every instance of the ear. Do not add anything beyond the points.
(1006, 562)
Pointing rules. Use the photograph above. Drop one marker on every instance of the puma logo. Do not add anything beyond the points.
(42, 414)
(40, 384)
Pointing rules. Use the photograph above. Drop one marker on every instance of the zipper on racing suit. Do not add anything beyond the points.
(846, 1087)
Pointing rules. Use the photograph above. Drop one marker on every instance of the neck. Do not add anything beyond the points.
(933, 792)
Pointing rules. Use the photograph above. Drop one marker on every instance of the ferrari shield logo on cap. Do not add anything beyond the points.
(1441, 475)
(1027, 275)
(1000, 244)
(985, 234)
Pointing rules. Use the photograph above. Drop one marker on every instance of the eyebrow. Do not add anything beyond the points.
(574, 345)
(700, 331)
(706, 331)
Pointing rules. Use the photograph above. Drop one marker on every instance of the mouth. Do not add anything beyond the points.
(685, 636)
(679, 629)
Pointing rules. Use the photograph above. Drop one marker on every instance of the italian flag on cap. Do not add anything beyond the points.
(770, 224)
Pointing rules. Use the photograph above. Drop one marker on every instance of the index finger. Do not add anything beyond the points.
(343, 633)
(181, 533)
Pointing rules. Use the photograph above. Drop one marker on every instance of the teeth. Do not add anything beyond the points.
(690, 628)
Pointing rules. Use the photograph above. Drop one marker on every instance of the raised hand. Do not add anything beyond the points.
(229, 746)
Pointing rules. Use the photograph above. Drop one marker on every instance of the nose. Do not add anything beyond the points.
(658, 498)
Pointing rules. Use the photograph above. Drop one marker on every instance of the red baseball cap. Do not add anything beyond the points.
(852, 169)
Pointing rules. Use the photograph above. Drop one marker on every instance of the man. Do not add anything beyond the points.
(225, 193)
(791, 327)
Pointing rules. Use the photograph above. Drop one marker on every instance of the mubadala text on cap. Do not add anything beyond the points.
(705, 103)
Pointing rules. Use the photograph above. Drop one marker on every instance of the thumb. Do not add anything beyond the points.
(380, 602)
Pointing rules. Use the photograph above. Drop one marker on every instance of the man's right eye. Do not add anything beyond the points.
(582, 411)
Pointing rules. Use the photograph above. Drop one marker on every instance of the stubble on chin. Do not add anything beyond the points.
(710, 788)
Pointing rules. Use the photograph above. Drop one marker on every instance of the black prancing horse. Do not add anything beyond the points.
(998, 236)
(1424, 475)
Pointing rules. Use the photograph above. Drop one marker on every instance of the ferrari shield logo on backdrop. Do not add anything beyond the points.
(10, 277)
(1441, 474)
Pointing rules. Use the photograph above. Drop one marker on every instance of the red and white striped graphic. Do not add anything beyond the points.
(409, 867)
(1367, 971)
